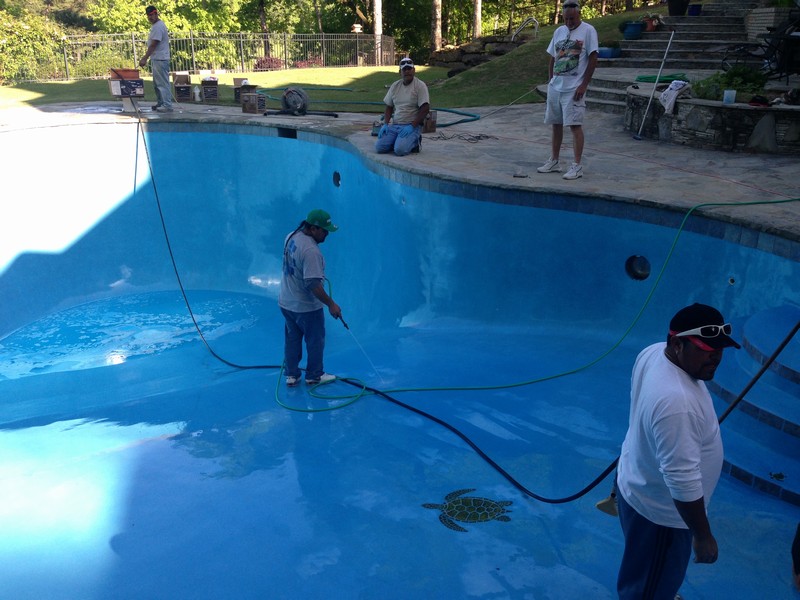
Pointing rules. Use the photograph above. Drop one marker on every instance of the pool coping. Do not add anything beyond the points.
(500, 152)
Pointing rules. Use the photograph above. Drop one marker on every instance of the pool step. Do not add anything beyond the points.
(762, 435)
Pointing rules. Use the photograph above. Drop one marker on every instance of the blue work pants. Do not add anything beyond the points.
(391, 140)
(655, 558)
(308, 325)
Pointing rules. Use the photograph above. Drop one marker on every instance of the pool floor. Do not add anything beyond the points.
(176, 476)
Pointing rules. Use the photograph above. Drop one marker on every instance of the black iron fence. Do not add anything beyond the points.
(88, 56)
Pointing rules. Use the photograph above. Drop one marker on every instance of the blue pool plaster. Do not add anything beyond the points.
(135, 464)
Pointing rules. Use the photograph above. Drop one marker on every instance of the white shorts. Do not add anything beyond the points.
(563, 109)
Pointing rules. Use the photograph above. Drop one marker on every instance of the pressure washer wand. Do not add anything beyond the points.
(346, 326)
(638, 136)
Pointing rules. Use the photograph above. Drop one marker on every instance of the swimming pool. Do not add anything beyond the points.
(137, 465)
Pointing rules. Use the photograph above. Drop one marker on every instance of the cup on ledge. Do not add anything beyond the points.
(728, 96)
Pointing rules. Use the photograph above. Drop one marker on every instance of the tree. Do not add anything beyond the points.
(378, 31)
(436, 25)
(476, 21)
(29, 47)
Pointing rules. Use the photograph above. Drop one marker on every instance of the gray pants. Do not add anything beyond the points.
(160, 70)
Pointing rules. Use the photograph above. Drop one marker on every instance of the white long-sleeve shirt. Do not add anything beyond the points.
(673, 448)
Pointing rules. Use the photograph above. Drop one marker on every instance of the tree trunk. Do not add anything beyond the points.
(476, 19)
(436, 25)
(378, 16)
(319, 16)
(262, 19)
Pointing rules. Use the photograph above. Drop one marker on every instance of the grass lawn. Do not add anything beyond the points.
(508, 78)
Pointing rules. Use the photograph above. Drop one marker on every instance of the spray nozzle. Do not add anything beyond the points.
(346, 326)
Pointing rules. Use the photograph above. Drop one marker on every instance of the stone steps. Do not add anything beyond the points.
(762, 435)
(699, 43)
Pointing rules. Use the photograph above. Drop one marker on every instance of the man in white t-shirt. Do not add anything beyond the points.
(409, 102)
(671, 458)
(573, 58)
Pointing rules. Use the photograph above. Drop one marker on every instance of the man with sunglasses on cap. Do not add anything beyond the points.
(409, 102)
(303, 296)
(573, 58)
(158, 53)
(671, 458)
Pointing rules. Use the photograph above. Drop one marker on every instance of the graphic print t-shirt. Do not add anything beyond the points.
(570, 51)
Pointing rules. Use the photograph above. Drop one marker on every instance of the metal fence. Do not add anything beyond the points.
(88, 56)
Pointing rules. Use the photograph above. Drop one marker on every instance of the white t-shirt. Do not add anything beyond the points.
(406, 100)
(571, 50)
(673, 447)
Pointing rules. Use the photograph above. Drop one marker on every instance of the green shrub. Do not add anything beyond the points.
(745, 80)
(29, 48)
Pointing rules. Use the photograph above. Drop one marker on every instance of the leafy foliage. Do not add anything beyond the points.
(743, 79)
(29, 47)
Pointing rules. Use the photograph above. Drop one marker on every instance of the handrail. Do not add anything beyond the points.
(525, 24)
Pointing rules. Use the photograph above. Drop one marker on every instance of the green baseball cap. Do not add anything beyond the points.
(320, 218)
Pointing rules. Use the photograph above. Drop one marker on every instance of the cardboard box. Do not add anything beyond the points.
(182, 83)
(209, 89)
(254, 103)
(126, 88)
(239, 88)
(119, 73)
(246, 89)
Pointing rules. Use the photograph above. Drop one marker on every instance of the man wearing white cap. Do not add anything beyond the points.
(573, 58)
(409, 102)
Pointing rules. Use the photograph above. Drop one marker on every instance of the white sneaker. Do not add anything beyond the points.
(574, 171)
(551, 166)
(291, 381)
(324, 378)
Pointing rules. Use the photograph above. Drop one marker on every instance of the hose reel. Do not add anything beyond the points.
(295, 101)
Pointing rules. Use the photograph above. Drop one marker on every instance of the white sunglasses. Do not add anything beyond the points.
(708, 331)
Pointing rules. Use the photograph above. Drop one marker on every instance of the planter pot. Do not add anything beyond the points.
(650, 24)
(677, 8)
(605, 52)
(695, 10)
(633, 30)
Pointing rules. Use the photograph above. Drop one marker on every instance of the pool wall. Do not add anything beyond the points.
(138, 465)
(405, 254)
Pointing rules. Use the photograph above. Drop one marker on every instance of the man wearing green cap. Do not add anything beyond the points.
(303, 296)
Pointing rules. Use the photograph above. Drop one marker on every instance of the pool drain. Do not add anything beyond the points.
(637, 267)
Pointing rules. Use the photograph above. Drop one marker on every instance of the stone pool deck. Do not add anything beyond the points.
(503, 148)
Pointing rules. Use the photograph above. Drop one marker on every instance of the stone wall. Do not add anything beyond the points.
(758, 20)
(736, 127)
(457, 59)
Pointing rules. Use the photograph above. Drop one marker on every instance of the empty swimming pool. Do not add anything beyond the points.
(136, 464)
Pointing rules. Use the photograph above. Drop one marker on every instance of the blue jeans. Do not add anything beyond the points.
(160, 70)
(655, 558)
(310, 325)
(391, 140)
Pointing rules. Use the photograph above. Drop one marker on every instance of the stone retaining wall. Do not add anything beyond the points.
(759, 19)
(736, 127)
(459, 59)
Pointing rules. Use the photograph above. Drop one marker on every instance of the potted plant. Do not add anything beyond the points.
(631, 30)
(609, 49)
(652, 21)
